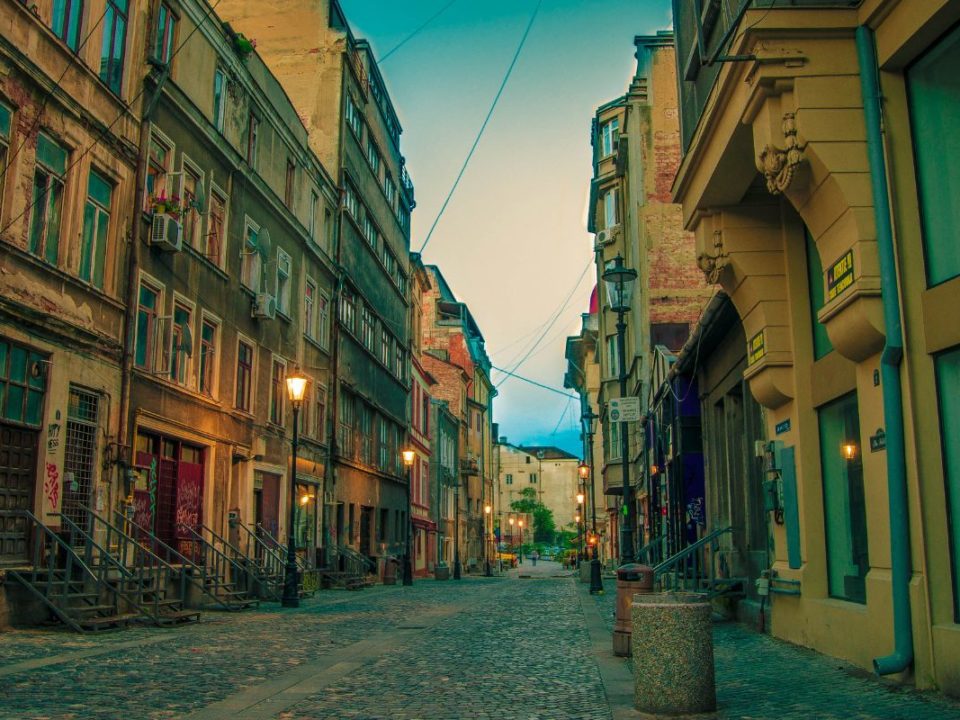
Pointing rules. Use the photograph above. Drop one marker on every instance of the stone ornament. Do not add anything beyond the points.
(780, 165)
(713, 264)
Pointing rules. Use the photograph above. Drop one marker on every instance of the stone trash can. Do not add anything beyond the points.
(632, 578)
(441, 571)
(390, 566)
(672, 647)
(585, 571)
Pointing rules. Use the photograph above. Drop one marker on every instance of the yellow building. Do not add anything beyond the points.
(550, 471)
(817, 175)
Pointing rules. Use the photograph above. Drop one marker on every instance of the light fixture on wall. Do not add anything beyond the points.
(849, 450)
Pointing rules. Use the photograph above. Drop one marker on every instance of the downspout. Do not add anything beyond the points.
(902, 656)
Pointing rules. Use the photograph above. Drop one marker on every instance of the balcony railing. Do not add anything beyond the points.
(406, 185)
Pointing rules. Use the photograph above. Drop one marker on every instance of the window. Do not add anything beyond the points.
(244, 386)
(821, 341)
(613, 357)
(278, 391)
(309, 309)
(533, 478)
(844, 506)
(611, 208)
(209, 341)
(390, 190)
(288, 184)
(348, 309)
(147, 317)
(320, 413)
(350, 201)
(21, 393)
(216, 227)
(5, 119)
(369, 230)
(283, 282)
(373, 157)
(323, 319)
(181, 344)
(367, 328)
(66, 17)
(384, 347)
(399, 358)
(314, 216)
(47, 201)
(113, 47)
(253, 139)
(345, 425)
(328, 228)
(947, 368)
(166, 24)
(219, 97)
(615, 446)
(933, 87)
(96, 224)
(609, 134)
(353, 117)
(404, 218)
(384, 433)
(366, 434)
(160, 155)
(190, 183)
(79, 461)
(509, 479)
(250, 266)
(389, 261)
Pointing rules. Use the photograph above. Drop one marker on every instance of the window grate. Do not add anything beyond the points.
(83, 411)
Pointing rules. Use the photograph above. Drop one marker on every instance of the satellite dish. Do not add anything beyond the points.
(199, 202)
(263, 243)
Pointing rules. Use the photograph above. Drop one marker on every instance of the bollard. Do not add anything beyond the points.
(632, 578)
(672, 648)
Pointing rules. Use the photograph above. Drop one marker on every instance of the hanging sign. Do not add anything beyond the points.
(756, 348)
(783, 427)
(626, 409)
(840, 275)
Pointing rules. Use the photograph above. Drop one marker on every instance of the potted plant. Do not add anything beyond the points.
(243, 45)
(166, 205)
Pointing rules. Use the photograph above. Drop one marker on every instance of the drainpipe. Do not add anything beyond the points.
(902, 656)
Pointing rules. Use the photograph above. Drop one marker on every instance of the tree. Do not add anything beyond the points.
(544, 527)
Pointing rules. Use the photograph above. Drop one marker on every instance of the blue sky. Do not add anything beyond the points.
(513, 240)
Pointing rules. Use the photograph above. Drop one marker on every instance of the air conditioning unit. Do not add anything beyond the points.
(607, 236)
(166, 233)
(265, 306)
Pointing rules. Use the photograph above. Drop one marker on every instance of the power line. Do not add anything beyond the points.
(493, 105)
(534, 382)
(49, 94)
(551, 323)
(103, 133)
(410, 37)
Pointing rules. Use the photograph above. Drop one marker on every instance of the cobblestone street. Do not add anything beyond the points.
(481, 648)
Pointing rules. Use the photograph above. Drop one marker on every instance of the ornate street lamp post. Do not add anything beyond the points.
(296, 389)
(586, 471)
(581, 518)
(513, 537)
(456, 530)
(408, 457)
(619, 282)
(520, 523)
(487, 509)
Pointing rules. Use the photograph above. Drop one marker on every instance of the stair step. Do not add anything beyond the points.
(179, 617)
(74, 609)
(100, 622)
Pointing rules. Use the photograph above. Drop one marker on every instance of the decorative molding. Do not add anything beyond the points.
(780, 165)
(712, 265)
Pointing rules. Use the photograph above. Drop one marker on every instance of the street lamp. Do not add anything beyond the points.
(540, 455)
(512, 536)
(456, 530)
(408, 457)
(296, 389)
(619, 282)
(520, 523)
(586, 470)
(487, 509)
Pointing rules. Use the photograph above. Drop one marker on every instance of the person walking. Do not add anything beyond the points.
(535, 556)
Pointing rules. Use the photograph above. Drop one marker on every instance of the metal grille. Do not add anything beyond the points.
(79, 453)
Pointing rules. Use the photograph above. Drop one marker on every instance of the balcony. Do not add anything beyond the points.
(406, 186)
(469, 466)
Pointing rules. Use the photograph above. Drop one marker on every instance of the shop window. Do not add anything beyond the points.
(306, 516)
(933, 87)
(821, 341)
(96, 224)
(948, 386)
(844, 507)
(114, 42)
(47, 201)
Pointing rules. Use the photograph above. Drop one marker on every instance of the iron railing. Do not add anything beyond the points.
(693, 569)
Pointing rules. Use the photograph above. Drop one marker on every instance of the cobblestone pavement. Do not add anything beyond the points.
(759, 677)
(511, 647)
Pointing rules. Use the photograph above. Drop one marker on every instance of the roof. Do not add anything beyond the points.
(550, 452)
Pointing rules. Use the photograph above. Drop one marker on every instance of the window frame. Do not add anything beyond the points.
(251, 262)
(112, 20)
(276, 410)
(221, 241)
(153, 324)
(219, 98)
(203, 367)
(70, 35)
(250, 370)
(189, 167)
(41, 246)
(167, 21)
(181, 362)
(95, 259)
(284, 282)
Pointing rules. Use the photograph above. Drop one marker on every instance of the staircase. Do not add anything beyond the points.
(348, 569)
(693, 570)
(270, 557)
(223, 574)
(73, 591)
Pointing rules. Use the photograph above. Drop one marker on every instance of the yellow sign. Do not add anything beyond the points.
(756, 348)
(840, 275)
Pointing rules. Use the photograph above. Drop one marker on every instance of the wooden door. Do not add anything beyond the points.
(270, 502)
(18, 466)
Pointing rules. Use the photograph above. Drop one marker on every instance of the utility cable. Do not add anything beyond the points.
(49, 94)
(410, 37)
(493, 105)
(550, 324)
(534, 382)
(103, 133)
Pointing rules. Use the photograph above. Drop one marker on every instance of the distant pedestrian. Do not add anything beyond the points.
(534, 556)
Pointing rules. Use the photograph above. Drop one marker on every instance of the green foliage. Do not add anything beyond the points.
(544, 526)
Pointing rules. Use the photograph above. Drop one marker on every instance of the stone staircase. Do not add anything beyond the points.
(694, 568)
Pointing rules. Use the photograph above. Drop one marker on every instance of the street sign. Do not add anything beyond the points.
(626, 409)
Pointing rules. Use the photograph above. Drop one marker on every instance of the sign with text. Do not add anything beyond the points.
(756, 348)
(625, 409)
(840, 275)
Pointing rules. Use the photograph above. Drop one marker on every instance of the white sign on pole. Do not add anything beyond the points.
(626, 409)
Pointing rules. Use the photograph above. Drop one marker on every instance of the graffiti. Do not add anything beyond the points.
(695, 511)
(53, 438)
(141, 509)
(188, 504)
(152, 487)
(51, 486)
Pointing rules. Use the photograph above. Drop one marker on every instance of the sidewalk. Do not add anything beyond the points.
(760, 677)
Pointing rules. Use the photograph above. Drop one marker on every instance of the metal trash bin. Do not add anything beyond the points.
(390, 571)
(632, 578)
(672, 645)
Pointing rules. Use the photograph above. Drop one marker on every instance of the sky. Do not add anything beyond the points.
(513, 241)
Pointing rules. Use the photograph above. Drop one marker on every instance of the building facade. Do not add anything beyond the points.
(553, 473)
(820, 211)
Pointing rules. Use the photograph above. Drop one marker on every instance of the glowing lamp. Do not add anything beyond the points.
(408, 457)
(296, 388)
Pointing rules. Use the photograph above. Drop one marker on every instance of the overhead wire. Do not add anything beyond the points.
(534, 382)
(103, 133)
(413, 34)
(483, 127)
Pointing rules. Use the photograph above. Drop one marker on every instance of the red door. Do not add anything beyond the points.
(270, 499)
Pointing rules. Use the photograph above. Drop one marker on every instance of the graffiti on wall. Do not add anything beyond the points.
(53, 438)
(51, 486)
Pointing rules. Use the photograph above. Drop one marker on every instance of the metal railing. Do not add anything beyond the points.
(225, 560)
(653, 552)
(270, 563)
(692, 569)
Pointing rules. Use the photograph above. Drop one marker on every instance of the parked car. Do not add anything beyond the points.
(508, 559)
